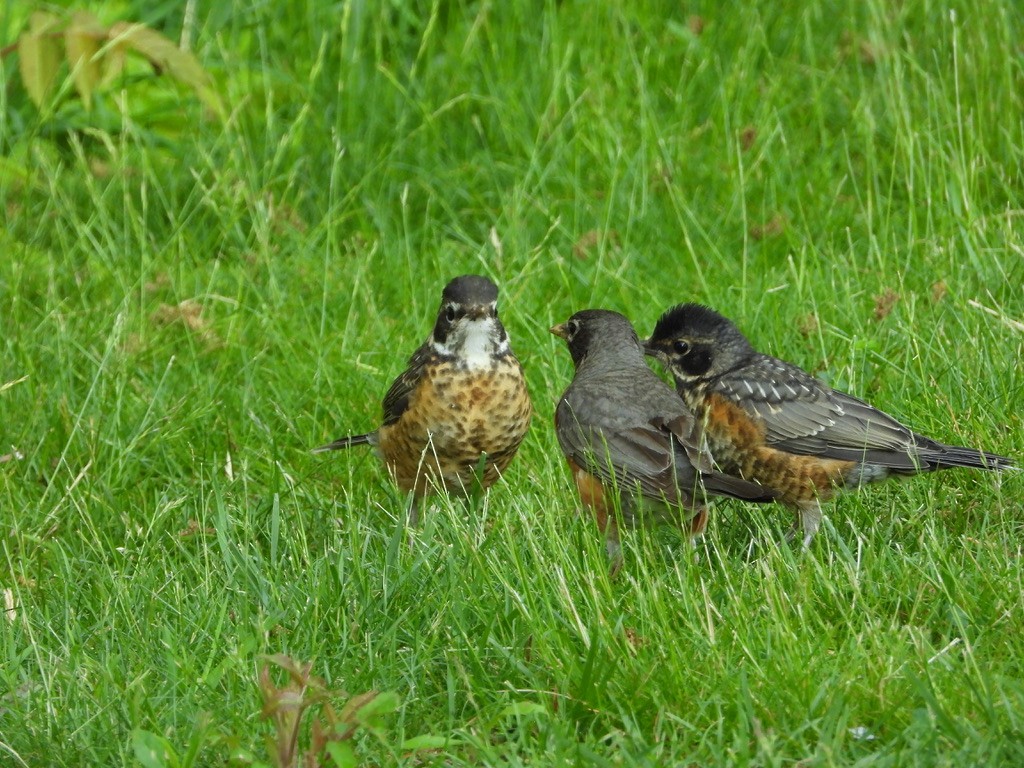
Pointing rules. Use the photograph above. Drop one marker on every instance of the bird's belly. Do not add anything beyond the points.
(456, 418)
(738, 446)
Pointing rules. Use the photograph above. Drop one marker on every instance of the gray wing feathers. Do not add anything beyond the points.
(801, 415)
(638, 456)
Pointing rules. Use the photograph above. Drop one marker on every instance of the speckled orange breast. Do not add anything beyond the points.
(737, 443)
(457, 423)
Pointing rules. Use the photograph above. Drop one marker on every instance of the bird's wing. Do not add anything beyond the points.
(688, 437)
(641, 456)
(397, 398)
(801, 415)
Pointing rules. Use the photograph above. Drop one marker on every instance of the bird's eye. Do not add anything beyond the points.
(681, 347)
(573, 328)
(449, 314)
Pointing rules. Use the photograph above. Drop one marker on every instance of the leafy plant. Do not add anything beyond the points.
(152, 750)
(332, 730)
(98, 54)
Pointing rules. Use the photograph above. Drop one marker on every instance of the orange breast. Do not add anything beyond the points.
(692, 517)
(591, 492)
(737, 442)
(458, 424)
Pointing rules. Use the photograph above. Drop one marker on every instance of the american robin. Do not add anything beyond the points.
(628, 437)
(773, 423)
(460, 410)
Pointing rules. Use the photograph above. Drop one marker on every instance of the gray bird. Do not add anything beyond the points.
(628, 437)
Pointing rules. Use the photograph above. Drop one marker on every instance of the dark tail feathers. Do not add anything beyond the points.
(345, 442)
(939, 456)
(737, 488)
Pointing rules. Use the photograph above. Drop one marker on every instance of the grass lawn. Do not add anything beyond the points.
(188, 305)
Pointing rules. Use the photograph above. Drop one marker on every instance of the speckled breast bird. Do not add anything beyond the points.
(771, 422)
(628, 437)
(458, 413)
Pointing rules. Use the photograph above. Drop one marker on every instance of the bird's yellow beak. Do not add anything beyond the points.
(558, 330)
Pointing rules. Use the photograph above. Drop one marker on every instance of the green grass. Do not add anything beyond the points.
(165, 524)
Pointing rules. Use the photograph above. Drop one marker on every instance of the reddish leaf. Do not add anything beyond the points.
(884, 302)
(775, 226)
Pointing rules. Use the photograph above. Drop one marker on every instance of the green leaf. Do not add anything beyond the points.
(369, 708)
(427, 741)
(153, 750)
(113, 61)
(164, 55)
(148, 42)
(39, 56)
(82, 39)
(342, 754)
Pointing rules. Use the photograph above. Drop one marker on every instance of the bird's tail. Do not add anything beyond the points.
(939, 456)
(347, 442)
(726, 485)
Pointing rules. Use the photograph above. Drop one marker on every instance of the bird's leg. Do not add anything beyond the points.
(609, 526)
(480, 471)
(477, 486)
(413, 517)
(698, 524)
(809, 513)
(613, 546)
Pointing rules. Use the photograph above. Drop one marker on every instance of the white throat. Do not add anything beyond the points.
(474, 343)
